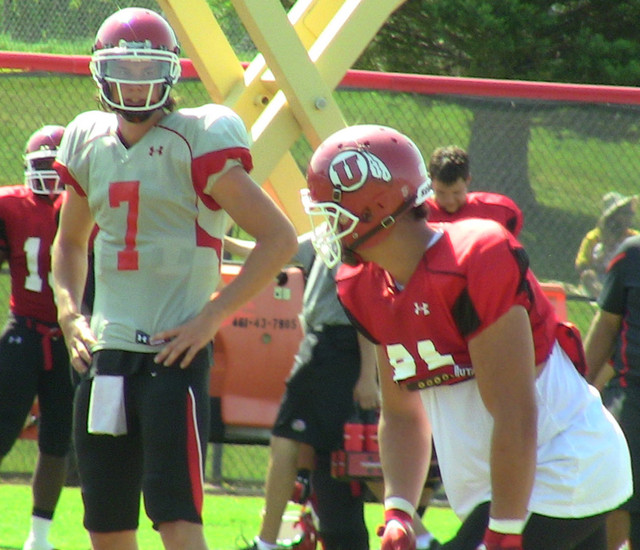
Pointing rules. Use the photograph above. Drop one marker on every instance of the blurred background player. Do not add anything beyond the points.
(33, 357)
(450, 172)
(161, 184)
(599, 245)
(612, 346)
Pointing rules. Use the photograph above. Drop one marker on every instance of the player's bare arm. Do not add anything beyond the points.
(238, 247)
(405, 436)
(69, 269)
(600, 341)
(256, 213)
(504, 363)
(366, 392)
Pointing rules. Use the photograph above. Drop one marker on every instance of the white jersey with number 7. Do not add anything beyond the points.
(157, 254)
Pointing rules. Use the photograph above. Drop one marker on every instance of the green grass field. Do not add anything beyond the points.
(228, 518)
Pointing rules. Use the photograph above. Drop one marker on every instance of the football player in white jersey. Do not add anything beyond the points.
(161, 185)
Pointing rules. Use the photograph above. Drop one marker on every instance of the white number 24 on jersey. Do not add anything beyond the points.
(404, 364)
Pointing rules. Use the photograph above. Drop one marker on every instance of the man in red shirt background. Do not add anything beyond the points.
(450, 172)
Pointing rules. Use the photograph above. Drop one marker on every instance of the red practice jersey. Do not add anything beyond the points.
(28, 225)
(465, 281)
(490, 206)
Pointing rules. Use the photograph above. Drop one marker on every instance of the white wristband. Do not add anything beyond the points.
(507, 526)
(399, 503)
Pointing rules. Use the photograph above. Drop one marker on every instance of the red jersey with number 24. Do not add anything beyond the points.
(471, 276)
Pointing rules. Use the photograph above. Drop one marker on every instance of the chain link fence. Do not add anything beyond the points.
(69, 26)
(555, 158)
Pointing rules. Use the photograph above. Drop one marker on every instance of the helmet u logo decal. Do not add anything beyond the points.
(349, 170)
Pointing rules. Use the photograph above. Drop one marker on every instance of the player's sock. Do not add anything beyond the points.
(39, 534)
(261, 545)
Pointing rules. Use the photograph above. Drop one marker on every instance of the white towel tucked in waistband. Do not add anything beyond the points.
(106, 406)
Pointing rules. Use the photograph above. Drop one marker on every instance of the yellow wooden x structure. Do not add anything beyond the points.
(287, 90)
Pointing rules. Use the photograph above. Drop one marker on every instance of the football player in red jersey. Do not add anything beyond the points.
(33, 357)
(467, 351)
(450, 173)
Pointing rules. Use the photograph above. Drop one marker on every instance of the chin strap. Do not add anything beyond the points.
(349, 255)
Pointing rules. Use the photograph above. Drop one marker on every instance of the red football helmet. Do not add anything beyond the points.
(135, 46)
(40, 152)
(361, 179)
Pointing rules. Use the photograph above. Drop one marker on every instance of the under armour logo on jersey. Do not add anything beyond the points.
(153, 150)
(15, 340)
(349, 170)
(421, 309)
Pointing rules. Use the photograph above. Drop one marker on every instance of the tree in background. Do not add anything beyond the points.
(581, 41)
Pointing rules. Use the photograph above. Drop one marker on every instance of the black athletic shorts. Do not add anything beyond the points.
(540, 533)
(34, 362)
(163, 452)
(319, 396)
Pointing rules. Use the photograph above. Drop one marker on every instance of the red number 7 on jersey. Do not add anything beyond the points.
(127, 191)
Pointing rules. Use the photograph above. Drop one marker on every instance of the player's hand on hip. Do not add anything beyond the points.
(397, 532)
(184, 341)
(80, 340)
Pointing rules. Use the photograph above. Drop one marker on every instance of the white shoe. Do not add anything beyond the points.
(31, 544)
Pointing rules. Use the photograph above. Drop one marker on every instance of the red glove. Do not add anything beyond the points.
(500, 541)
(397, 532)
